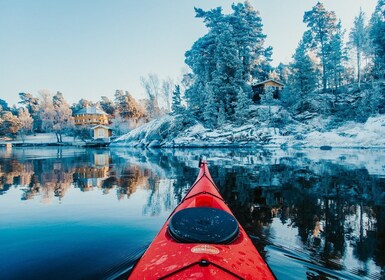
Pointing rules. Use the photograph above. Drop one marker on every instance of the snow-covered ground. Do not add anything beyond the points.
(43, 138)
(351, 134)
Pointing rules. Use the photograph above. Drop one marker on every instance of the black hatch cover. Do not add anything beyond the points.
(203, 225)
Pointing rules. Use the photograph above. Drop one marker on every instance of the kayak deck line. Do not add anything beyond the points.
(202, 263)
(202, 239)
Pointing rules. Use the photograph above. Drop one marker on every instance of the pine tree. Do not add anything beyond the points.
(358, 38)
(321, 24)
(243, 103)
(247, 29)
(177, 107)
(221, 115)
(377, 39)
(303, 79)
(210, 113)
(32, 105)
(107, 105)
(226, 57)
(336, 56)
(127, 107)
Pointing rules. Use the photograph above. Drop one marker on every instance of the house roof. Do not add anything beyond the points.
(90, 111)
(99, 125)
(266, 81)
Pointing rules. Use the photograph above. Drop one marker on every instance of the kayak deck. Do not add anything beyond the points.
(204, 253)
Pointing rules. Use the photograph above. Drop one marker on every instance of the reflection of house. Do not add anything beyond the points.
(269, 85)
(93, 176)
(101, 132)
(91, 116)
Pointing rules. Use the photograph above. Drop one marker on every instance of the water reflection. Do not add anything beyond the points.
(319, 213)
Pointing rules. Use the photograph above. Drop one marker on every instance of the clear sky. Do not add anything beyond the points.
(90, 48)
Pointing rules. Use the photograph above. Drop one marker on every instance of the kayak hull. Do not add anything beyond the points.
(167, 258)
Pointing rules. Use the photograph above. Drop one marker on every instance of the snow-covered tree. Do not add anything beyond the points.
(247, 26)
(303, 78)
(128, 108)
(4, 105)
(63, 120)
(82, 103)
(242, 104)
(151, 85)
(377, 39)
(221, 114)
(47, 111)
(121, 125)
(177, 107)
(55, 114)
(167, 92)
(226, 58)
(358, 38)
(32, 104)
(210, 112)
(26, 122)
(9, 123)
(107, 105)
(336, 57)
(321, 24)
(283, 72)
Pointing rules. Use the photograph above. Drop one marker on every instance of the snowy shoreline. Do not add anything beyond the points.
(351, 135)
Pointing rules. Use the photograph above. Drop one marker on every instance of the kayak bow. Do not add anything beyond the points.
(202, 240)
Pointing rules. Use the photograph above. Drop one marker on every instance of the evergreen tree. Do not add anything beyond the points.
(304, 78)
(32, 104)
(284, 72)
(243, 103)
(336, 56)
(321, 24)
(227, 57)
(358, 38)
(4, 105)
(227, 77)
(177, 107)
(107, 105)
(247, 27)
(377, 39)
(210, 113)
(221, 115)
(82, 103)
(127, 107)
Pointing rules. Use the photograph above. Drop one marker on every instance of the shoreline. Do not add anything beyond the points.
(191, 146)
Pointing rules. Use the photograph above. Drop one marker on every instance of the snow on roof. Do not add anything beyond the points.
(90, 111)
(266, 81)
(103, 126)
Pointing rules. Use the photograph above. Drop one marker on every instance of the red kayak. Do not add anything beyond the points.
(202, 240)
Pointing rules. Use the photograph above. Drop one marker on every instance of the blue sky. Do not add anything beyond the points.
(90, 48)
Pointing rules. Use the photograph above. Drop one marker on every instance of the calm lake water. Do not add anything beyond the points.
(89, 214)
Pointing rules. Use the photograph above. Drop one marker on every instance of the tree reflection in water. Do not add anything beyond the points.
(333, 204)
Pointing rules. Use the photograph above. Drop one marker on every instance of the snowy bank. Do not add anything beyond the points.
(164, 132)
(44, 139)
